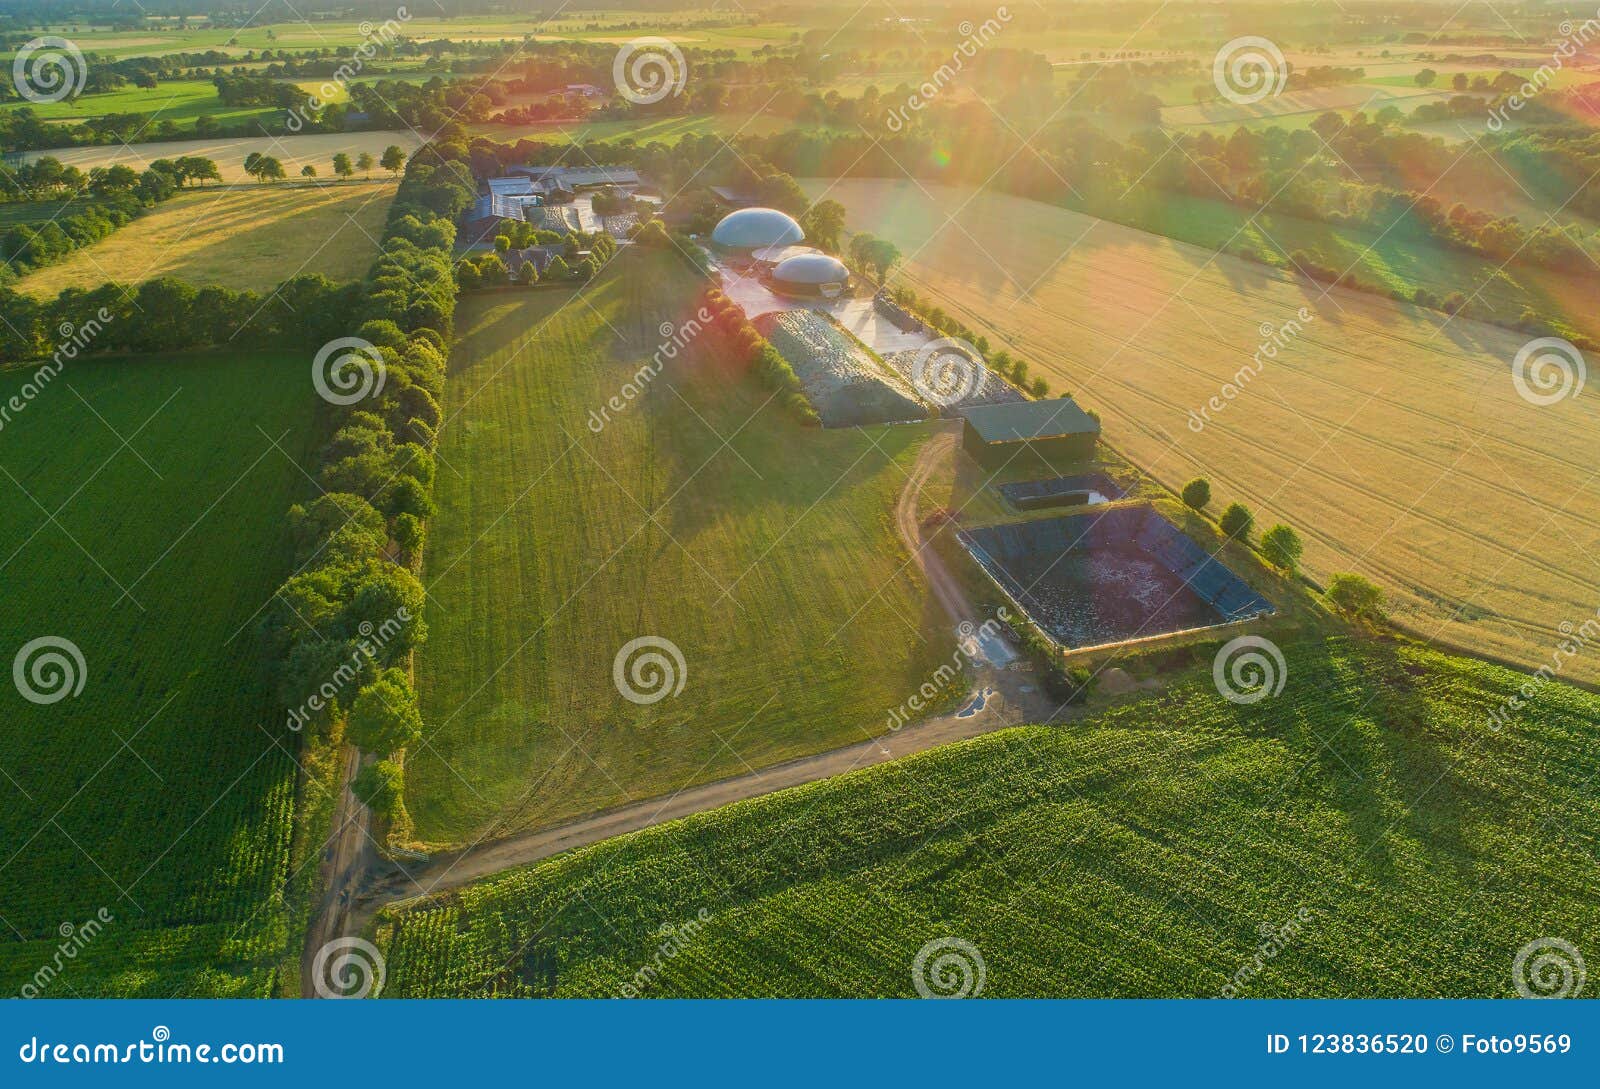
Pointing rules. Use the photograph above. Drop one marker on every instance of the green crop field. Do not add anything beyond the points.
(178, 101)
(702, 514)
(1366, 817)
(144, 524)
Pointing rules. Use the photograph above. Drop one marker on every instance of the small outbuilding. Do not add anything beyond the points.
(1055, 429)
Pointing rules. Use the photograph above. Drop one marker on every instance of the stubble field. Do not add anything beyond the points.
(247, 237)
(1397, 448)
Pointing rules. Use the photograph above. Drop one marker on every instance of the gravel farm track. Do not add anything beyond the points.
(359, 882)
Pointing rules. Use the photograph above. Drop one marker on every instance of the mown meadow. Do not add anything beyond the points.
(700, 512)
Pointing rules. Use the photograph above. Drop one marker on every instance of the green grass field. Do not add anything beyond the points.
(666, 130)
(1366, 813)
(180, 101)
(163, 791)
(544, 560)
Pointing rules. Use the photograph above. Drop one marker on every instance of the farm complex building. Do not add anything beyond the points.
(1056, 429)
(751, 229)
(809, 273)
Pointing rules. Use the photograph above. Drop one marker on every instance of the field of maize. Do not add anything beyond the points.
(1365, 832)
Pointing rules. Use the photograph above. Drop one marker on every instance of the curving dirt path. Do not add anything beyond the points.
(1001, 698)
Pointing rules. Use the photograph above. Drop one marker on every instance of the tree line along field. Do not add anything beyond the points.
(1143, 852)
(163, 791)
(544, 560)
(320, 34)
(1397, 448)
(295, 152)
(251, 237)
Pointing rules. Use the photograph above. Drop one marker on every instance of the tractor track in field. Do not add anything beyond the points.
(361, 883)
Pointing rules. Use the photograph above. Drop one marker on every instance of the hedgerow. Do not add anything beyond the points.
(343, 626)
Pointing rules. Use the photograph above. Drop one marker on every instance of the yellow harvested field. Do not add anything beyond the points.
(293, 151)
(252, 236)
(1397, 445)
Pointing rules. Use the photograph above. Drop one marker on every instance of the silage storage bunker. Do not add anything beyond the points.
(1096, 578)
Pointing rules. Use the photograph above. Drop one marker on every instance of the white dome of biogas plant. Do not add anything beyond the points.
(811, 274)
(751, 229)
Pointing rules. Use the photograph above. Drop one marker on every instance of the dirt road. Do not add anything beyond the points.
(348, 857)
(1001, 697)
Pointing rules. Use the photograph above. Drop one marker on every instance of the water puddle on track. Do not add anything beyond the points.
(976, 704)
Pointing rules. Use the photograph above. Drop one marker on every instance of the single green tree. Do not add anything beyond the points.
(341, 165)
(380, 786)
(1282, 547)
(384, 717)
(1237, 520)
(1354, 595)
(393, 159)
(364, 163)
(1197, 493)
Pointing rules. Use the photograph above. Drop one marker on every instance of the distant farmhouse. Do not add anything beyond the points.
(542, 196)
